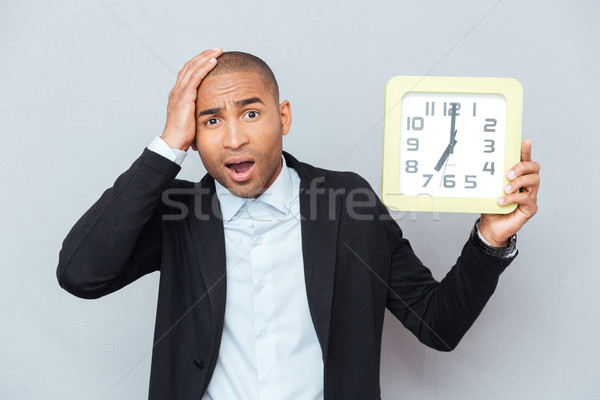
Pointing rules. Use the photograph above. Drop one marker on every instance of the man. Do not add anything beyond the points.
(274, 274)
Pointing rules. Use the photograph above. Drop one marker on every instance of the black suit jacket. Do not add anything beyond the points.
(356, 264)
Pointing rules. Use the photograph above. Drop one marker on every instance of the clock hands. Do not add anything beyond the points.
(452, 123)
(447, 152)
(450, 148)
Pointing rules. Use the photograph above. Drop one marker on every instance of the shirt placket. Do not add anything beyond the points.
(262, 283)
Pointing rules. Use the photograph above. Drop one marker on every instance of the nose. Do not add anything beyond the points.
(234, 136)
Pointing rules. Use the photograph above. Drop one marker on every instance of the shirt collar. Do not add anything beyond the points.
(278, 195)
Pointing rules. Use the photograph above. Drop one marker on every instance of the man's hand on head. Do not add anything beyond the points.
(180, 128)
(496, 229)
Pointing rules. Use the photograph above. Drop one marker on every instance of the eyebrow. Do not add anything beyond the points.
(239, 103)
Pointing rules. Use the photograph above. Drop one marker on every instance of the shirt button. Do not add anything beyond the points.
(267, 378)
(259, 240)
(262, 284)
(265, 330)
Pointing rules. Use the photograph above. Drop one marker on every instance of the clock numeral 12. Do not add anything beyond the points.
(453, 110)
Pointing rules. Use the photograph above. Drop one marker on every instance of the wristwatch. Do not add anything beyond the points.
(502, 252)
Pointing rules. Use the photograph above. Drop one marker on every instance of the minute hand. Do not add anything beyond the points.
(447, 152)
(453, 123)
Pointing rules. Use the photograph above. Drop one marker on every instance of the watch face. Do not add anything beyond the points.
(452, 144)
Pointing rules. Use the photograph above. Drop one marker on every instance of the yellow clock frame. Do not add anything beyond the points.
(396, 89)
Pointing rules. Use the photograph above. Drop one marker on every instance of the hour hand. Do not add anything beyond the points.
(447, 152)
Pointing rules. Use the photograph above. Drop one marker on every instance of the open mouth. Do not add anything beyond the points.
(240, 168)
(240, 171)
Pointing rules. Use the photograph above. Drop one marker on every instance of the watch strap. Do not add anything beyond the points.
(502, 252)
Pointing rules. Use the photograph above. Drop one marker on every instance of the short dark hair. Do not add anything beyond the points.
(237, 61)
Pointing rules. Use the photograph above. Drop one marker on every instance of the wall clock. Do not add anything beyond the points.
(449, 141)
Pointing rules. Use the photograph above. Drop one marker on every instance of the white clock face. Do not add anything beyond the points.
(452, 154)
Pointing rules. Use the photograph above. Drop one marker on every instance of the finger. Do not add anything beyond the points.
(527, 204)
(205, 55)
(196, 78)
(523, 168)
(183, 75)
(526, 150)
(530, 182)
(198, 63)
(186, 87)
(215, 49)
(198, 73)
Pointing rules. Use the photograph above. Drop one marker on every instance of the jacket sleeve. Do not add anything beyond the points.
(118, 239)
(439, 313)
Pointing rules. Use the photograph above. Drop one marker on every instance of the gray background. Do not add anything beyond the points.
(83, 89)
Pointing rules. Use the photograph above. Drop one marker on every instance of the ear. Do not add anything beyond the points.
(285, 114)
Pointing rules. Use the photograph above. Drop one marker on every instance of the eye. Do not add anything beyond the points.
(211, 121)
(252, 114)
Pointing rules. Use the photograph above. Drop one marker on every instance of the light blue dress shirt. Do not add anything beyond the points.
(269, 347)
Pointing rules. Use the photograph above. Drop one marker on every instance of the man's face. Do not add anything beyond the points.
(239, 131)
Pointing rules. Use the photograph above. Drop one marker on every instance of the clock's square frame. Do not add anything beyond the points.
(396, 89)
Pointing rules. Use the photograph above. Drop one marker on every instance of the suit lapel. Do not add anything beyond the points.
(208, 235)
(320, 212)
